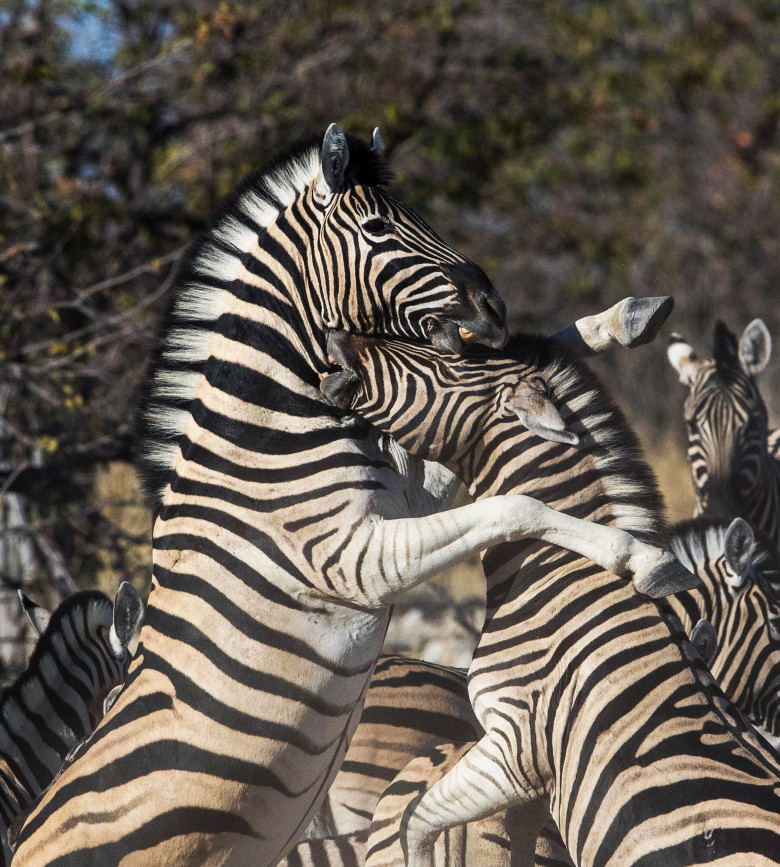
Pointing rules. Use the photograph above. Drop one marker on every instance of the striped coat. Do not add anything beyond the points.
(731, 451)
(284, 528)
(588, 696)
(81, 655)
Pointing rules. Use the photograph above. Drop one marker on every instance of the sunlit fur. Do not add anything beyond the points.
(274, 215)
(734, 473)
(587, 694)
(56, 702)
(411, 706)
(283, 533)
(747, 661)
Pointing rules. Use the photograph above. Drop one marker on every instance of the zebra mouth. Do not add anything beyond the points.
(449, 336)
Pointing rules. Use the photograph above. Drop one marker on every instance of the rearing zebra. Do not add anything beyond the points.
(733, 469)
(587, 694)
(284, 527)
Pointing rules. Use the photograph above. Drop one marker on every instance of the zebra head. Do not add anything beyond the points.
(441, 408)
(740, 597)
(91, 632)
(380, 268)
(726, 417)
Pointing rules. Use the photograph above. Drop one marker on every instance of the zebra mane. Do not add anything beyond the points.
(697, 540)
(91, 608)
(198, 293)
(611, 443)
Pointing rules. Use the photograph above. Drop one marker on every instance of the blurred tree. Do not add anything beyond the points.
(579, 151)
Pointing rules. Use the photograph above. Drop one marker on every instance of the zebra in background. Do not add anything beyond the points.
(740, 596)
(81, 655)
(285, 528)
(586, 693)
(734, 470)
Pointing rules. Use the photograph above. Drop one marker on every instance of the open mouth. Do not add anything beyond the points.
(451, 335)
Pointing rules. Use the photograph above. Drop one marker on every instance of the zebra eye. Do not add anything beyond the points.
(378, 226)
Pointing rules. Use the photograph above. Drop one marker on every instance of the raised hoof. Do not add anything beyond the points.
(669, 577)
(341, 388)
(641, 318)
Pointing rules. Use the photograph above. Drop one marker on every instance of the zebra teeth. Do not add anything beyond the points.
(467, 336)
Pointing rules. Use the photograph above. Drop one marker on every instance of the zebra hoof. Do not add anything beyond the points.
(641, 318)
(669, 577)
(341, 388)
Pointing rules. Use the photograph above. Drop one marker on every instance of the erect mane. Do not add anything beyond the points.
(198, 293)
(611, 443)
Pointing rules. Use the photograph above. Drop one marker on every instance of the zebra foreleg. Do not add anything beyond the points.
(481, 784)
(392, 556)
(631, 322)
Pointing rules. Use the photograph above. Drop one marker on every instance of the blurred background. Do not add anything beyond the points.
(578, 151)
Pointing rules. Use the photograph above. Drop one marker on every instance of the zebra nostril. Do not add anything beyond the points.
(494, 308)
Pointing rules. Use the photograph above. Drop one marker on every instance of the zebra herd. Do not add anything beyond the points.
(327, 372)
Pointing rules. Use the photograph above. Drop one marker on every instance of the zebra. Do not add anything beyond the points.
(587, 694)
(410, 707)
(730, 449)
(81, 655)
(284, 527)
(483, 843)
(411, 704)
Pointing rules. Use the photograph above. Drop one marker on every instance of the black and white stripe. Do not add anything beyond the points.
(587, 694)
(735, 471)
(284, 528)
(81, 656)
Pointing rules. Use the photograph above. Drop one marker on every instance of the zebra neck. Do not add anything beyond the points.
(599, 481)
(236, 374)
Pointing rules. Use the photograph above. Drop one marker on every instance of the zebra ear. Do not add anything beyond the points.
(724, 348)
(755, 347)
(128, 614)
(738, 550)
(683, 358)
(705, 640)
(335, 156)
(535, 410)
(377, 145)
(38, 617)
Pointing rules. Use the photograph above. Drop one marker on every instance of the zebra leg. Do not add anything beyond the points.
(392, 556)
(522, 824)
(631, 322)
(551, 851)
(478, 786)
